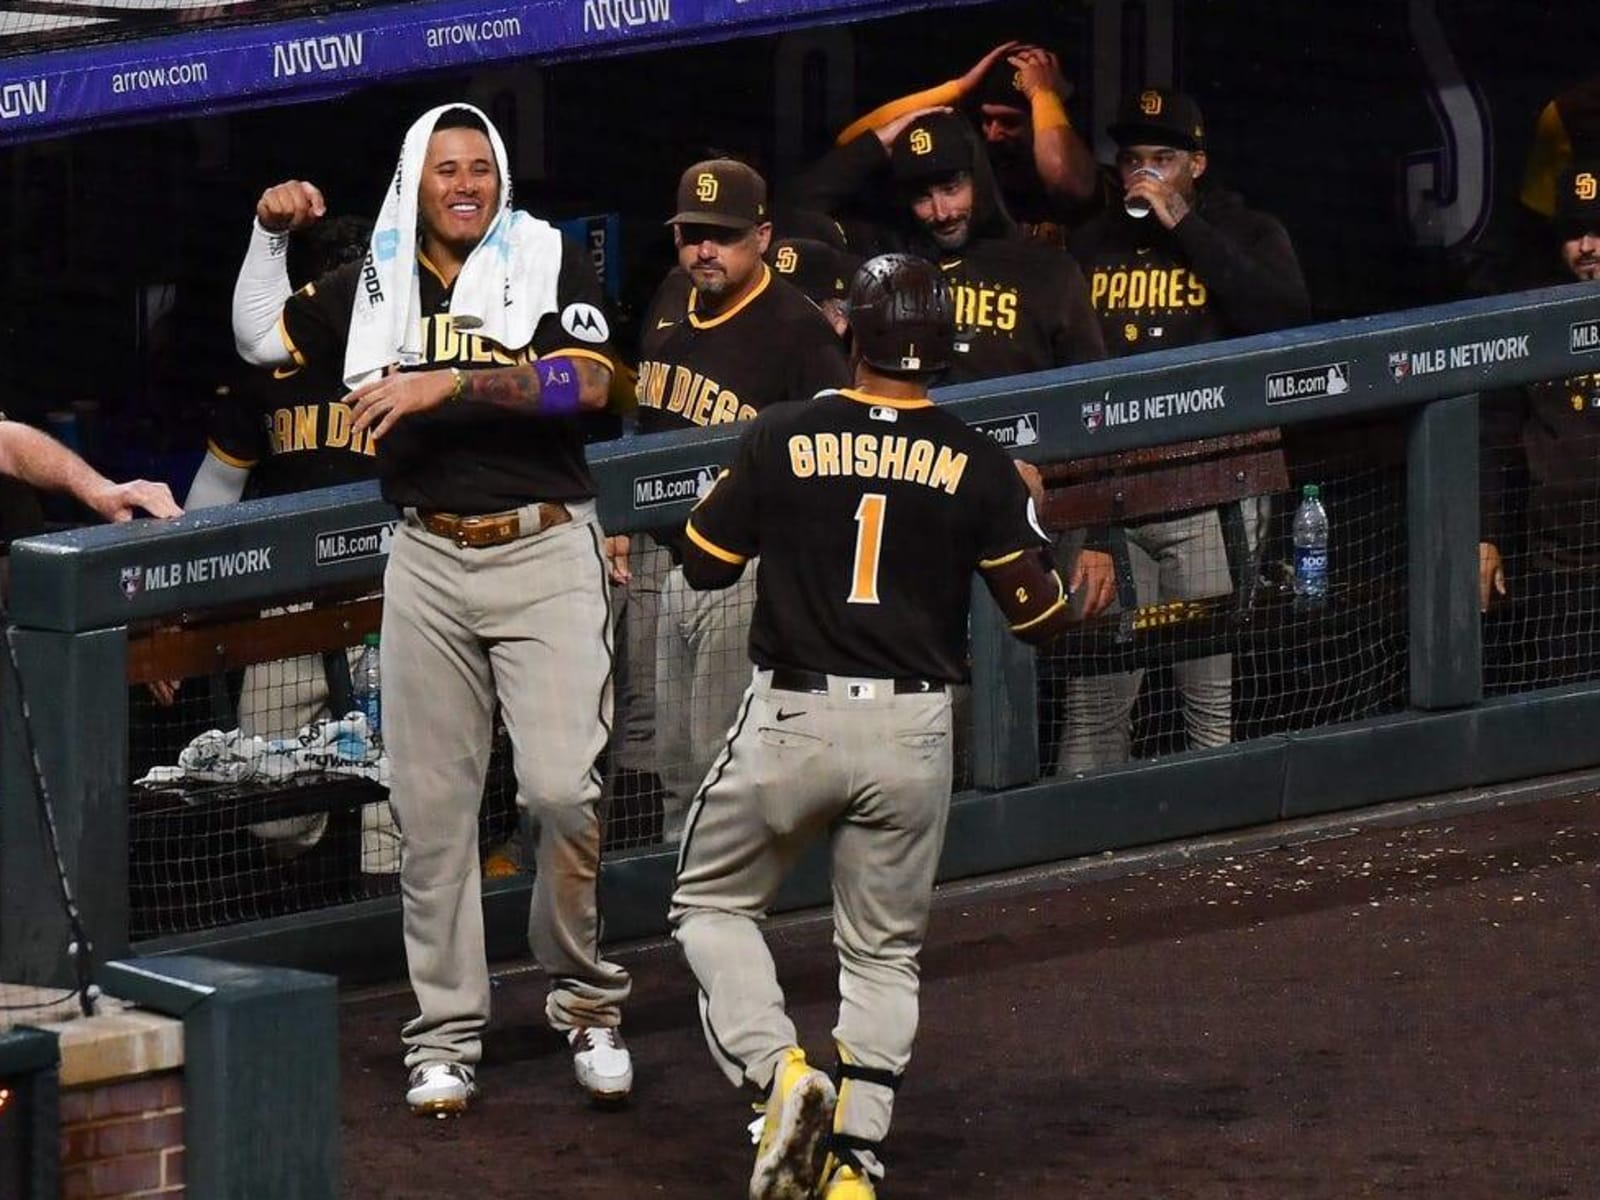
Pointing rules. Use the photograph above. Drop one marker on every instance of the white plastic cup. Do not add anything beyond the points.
(1137, 206)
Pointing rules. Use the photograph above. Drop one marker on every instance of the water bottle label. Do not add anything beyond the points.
(1310, 571)
(372, 708)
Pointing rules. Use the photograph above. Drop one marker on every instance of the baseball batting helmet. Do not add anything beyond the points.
(901, 315)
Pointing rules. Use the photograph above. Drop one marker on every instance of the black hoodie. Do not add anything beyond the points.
(1223, 271)
(1020, 306)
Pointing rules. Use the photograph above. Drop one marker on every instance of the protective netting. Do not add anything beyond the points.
(257, 794)
(32, 25)
(1540, 482)
(1215, 647)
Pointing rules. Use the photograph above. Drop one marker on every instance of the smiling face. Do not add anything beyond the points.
(944, 208)
(459, 193)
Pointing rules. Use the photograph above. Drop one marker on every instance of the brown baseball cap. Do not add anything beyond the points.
(722, 192)
(1159, 117)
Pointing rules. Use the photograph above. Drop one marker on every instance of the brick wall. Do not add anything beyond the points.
(123, 1138)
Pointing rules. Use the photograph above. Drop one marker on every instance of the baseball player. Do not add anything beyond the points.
(473, 335)
(1199, 267)
(821, 271)
(724, 339)
(870, 509)
(279, 432)
(1020, 305)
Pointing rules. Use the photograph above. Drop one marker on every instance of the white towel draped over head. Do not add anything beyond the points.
(506, 286)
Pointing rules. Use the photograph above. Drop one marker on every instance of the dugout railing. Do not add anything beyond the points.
(76, 597)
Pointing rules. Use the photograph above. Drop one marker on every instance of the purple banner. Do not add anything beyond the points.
(210, 70)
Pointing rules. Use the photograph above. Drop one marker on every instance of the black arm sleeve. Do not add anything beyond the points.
(1253, 274)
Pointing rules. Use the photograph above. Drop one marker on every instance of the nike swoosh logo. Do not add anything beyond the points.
(783, 716)
(284, 372)
(1142, 250)
(665, 324)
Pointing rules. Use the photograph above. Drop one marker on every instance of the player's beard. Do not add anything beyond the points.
(1587, 268)
(952, 235)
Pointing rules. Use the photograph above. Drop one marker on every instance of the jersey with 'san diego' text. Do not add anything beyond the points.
(292, 431)
(1020, 306)
(870, 517)
(772, 346)
(468, 457)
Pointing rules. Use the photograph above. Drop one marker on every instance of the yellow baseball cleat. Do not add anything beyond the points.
(794, 1133)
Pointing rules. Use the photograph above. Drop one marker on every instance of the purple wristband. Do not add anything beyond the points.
(558, 386)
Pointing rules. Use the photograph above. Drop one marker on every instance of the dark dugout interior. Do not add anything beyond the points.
(1388, 135)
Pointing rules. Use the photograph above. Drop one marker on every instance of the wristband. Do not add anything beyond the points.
(558, 386)
(1048, 112)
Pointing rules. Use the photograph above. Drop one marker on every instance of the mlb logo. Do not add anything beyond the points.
(132, 582)
(1400, 365)
(1094, 414)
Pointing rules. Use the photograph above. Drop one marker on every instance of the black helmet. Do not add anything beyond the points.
(901, 316)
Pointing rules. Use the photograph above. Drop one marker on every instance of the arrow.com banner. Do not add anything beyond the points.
(209, 69)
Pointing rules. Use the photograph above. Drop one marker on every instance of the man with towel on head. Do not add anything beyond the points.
(472, 336)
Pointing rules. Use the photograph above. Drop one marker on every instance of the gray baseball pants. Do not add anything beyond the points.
(1179, 559)
(526, 623)
(869, 770)
(702, 670)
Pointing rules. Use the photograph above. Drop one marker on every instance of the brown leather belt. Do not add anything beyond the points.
(491, 529)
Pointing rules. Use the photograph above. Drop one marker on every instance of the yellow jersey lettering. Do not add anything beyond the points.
(1138, 289)
(338, 426)
(305, 427)
(1197, 292)
(802, 457)
(947, 470)
(704, 397)
(1158, 290)
(1117, 296)
(1097, 289)
(682, 381)
(446, 341)
(727, 408)
(892, 457)
(1006, 303)
(282, 431)
(827, 454)
(919, 461)
(866, 455)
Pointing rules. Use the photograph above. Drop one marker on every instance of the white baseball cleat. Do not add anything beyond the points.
(602, 1063)
(440, 1089)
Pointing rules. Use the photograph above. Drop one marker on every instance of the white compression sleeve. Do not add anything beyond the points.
(258, 296)
(216, 482)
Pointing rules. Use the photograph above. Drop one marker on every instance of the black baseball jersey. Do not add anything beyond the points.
(469, 458)
(1020, 306)
(1222, 271)
(870, 516)
(292, 431)
(773, 346)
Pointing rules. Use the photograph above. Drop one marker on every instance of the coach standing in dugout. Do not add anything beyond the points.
(724, 339)
(870, 509)
(1199, 267)
(473, 336)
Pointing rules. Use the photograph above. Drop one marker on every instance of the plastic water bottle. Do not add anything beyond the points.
(368, 687)
(1310, 548)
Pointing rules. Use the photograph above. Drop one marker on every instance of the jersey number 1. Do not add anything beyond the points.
(869, 548)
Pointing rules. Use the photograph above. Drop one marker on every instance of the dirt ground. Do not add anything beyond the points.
(1403, 1011)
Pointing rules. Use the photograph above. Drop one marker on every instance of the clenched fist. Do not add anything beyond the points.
(288, 206)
